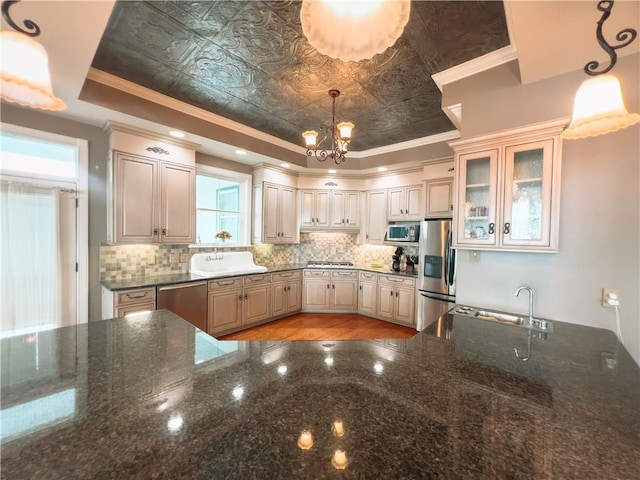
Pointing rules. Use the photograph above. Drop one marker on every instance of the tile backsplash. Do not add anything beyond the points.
(124, 262)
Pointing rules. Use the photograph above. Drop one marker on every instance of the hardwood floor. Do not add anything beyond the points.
(323, 326)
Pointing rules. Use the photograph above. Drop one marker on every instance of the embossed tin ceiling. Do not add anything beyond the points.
(250, 62)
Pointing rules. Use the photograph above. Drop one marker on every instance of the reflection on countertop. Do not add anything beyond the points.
(155, 397)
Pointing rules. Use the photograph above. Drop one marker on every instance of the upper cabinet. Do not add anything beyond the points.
(376, 221)
(327, 210)
(405, 203)
(275, 214)
(151, 190)
(508, 190)
(439, 195)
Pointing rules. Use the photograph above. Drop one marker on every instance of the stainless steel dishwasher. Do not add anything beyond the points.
(187, 300)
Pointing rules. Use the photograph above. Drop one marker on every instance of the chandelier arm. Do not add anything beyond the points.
(626, 36)
(33, 30)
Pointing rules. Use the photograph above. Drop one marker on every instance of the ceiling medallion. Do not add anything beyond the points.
(353, 30)
(25, 77)
(598, 107)
(340, 137)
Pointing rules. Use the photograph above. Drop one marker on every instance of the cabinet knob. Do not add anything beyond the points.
(327, 286)
(164, 231)
(507, 228)
(360, 287)
(245, 296)
(396, 293)
(492, 228)
(333, 286)
(451, 207)
(240, 297)
(155, 232)
(317, 220)
(391, 292)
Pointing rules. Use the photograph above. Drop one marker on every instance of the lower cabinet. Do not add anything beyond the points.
(125, 302)
(286, 292)
(396, 298)
(368, 293)
(330, 290)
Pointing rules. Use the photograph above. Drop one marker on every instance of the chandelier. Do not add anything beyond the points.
(598, 106)
(353, 30)
(25, 77)
(340, 137)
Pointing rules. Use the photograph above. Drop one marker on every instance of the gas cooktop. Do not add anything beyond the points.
(326, 264)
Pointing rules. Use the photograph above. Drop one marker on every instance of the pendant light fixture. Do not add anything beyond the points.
(598, 106)
(353, 30)
(24, 70)
(340, 137)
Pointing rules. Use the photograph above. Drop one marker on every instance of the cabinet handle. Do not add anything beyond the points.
(220, 284)
(391, 292)
(451, 207)
(328, 286)
(245, 296)
(286, 274)
(155, 232)
(240, 297)
(317, 220)
(396, 293)
(347, 220)
(492, 228)
(333, 286)
(343, 220)
(507, 228)
(137, 296)
(164, 231)
(360, 287)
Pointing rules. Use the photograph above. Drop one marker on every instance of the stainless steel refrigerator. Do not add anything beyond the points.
(437, 272)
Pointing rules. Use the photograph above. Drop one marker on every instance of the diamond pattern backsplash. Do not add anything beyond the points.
(126, 262)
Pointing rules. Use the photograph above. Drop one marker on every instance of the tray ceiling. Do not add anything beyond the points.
(250, 62)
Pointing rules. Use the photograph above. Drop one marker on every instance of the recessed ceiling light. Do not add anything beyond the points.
(176, 133)
(285, 165)
(241, 152)
(382, 169)
(332, 171)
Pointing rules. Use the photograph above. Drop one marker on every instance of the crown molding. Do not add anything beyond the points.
(477, 65)
(111, 126)
(418, 142)
(436, 161)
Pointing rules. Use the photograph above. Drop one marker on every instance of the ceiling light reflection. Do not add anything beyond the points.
(175, 423)
(338, 428)
(238, 392)
(305, 440)
(282, 369)
(339, 460)
(328, 361)
(378, 367)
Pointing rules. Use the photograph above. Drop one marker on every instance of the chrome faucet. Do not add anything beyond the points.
(530, 290)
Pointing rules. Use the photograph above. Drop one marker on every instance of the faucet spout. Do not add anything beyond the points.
(530, 290)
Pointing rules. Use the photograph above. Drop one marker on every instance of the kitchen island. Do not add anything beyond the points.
(150, 396)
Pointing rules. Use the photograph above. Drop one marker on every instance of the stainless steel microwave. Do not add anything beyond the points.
(403, 232)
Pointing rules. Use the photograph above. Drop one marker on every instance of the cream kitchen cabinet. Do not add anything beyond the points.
(367, 293)
(405, 203)
(125, 302)
(314, 209)
(508, 190)
(238, 301)
(345, 210)
(330, 290)
(376, 220)
(153, 201)
(286, 292)
(275, 214)
(396, 298)
(439, 195)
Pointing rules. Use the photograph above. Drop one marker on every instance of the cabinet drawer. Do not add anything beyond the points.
(257, 279)
(397, 281)
(123, 311)
(284, 276)
(368, 277)
(140, 295)
(344, 274)
(225, 283)
(316, 273)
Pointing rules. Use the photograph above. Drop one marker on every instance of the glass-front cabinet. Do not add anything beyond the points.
(508, 190)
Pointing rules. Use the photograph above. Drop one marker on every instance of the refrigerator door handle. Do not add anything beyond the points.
(447, 254)
(451, 255)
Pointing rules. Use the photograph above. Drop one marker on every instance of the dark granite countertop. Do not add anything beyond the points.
(153, 397)
(172, 279)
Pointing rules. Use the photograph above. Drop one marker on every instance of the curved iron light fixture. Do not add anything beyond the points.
(340, 137)
(598, 107)
(24, 72)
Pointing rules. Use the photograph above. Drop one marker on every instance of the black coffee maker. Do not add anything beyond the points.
(395, 266)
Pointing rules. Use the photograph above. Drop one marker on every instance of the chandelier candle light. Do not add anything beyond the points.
(340, 137)
(598, 106)
(24, 71)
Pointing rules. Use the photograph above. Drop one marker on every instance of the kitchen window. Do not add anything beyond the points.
(222, 204)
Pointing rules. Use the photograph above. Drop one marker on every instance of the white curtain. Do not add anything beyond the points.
(30, 286)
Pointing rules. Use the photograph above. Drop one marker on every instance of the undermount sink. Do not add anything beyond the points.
(505, 318)
(223, 264)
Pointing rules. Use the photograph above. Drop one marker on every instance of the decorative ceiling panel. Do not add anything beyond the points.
(250, 62)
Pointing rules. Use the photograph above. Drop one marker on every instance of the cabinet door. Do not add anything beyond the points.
(256, 304)
(225, 310)
(307, 209)
(413, 202)
(405, 305)
(385, 301)
(439, 198)
(376, 219)
(527, 195)
(287, 215)
(337, 210)
(294, 295)
(344, 294)
(396, 201)
(178, 212)
(125, 310)
(278, 299)
(367, 298)
(136, 200)
(270, 214)
(315, 293)
(476, 216)
(323, 208)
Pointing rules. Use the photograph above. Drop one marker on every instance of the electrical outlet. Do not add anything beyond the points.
(605, 296)
(151, 260)
(474, 256)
